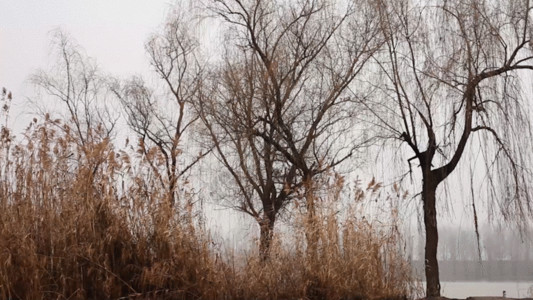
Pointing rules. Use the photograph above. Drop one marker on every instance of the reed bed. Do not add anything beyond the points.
(80, 220)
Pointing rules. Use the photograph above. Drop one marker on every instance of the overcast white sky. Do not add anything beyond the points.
(111, 31)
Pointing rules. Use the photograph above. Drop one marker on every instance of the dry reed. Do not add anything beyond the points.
(82, 221)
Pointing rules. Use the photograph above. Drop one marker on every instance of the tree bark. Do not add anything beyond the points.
(432, 236)
(311, 223)
(265, 239)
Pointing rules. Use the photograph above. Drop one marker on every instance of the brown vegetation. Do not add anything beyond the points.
(77, 221)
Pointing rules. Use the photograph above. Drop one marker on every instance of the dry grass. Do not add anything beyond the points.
(354, 259)
(355, 268)
(82, 222)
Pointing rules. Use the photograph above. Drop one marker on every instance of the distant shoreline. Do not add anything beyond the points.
(490, 271)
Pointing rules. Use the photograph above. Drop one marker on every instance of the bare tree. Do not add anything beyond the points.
(262, 177)
(453, 73)
(285, 78)
(76, 83)
(307, 53)
(87, 119)
(162, 120)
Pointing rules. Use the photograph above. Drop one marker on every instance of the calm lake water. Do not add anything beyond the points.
(462, 289)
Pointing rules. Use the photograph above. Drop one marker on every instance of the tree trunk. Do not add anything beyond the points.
(265, 239)
(432, 237)
(311, 231)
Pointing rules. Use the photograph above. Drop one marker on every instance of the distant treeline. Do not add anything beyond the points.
(461, 270)
(495, 245)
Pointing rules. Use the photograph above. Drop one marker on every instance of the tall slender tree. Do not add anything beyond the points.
(162, 120)
(76, 83)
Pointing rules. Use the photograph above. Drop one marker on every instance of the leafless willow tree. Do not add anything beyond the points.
(262, 177)
(451, 73)
(80, 89)
(289, 67)
(162, 120)
(72, 97)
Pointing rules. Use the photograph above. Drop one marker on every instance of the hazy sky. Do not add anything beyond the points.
(111, 31)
